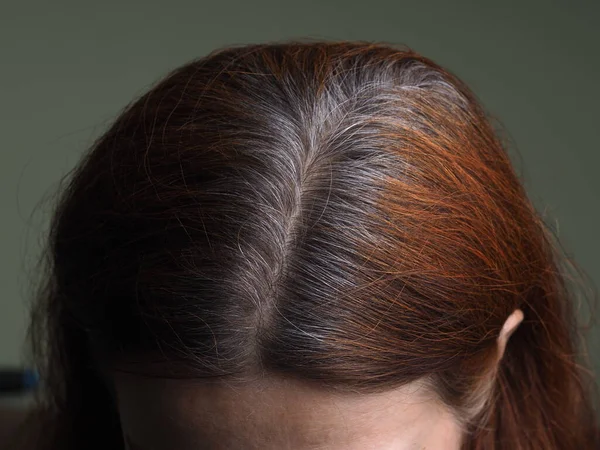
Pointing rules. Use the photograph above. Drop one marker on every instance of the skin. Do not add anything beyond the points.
(272, 413)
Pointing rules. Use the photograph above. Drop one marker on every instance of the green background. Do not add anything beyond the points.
(67, 68)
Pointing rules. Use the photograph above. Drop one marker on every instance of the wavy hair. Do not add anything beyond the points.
(343, 213)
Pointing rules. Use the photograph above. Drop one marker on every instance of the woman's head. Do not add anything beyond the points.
(332, 231)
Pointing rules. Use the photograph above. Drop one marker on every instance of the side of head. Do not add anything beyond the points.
(339, 216)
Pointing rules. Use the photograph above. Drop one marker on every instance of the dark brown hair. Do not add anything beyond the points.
(339, 212)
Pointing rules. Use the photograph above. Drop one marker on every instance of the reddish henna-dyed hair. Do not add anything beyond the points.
(344, 213)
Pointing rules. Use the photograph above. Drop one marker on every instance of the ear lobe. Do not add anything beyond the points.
(509, 327)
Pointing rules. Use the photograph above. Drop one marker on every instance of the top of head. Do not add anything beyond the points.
(339, 213)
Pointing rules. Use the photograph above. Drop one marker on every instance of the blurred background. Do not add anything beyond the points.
(69, 67)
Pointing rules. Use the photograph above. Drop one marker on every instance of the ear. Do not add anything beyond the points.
(510, 325)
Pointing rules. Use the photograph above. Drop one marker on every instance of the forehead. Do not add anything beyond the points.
(278, 414)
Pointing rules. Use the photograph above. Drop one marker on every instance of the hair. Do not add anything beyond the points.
(343, 213)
